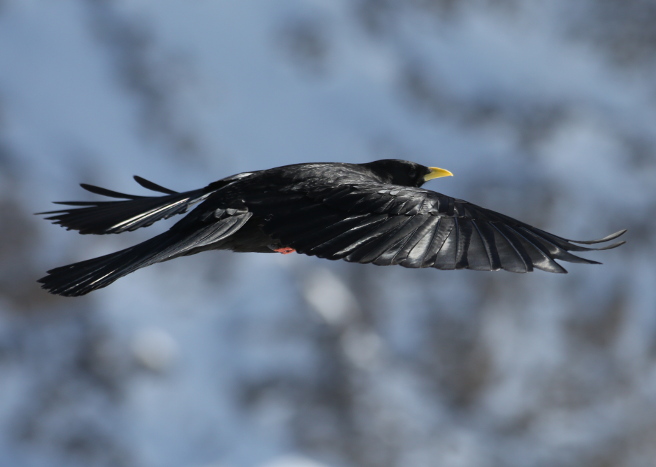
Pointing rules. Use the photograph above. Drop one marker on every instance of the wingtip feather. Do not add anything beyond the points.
(153, 186)
(608, 238)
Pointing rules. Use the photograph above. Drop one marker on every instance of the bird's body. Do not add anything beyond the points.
(367, 213)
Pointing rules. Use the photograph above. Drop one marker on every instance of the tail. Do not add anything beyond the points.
(83, 277)
(86, 276)
(105, 217)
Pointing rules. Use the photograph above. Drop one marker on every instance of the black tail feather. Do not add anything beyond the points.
(83, 277)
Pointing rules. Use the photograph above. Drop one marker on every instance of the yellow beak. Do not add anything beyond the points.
(436, 172)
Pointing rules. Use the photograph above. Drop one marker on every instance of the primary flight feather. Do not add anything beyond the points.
(366, 213)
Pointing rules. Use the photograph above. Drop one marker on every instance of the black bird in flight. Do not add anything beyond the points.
(365, 213)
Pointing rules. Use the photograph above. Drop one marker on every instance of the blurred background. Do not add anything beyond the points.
(545, 111)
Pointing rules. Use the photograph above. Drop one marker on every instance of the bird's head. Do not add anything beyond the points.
(405, 173)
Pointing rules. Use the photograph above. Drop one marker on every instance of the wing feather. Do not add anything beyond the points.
(477, 254)
(511, 259)
(328, 239)
(412, 251)
(556, 251)
(446, 257)
(539, 254)
(416, 228)
(401, 238)
(105, 217)
(382, 237)
(517, 244)
(438, 239)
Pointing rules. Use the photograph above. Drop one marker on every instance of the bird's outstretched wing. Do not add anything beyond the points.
(133, 212)
(412, 227)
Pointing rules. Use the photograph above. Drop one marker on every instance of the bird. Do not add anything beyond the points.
(375, 212)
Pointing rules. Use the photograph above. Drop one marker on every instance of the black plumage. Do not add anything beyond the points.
(366, 213)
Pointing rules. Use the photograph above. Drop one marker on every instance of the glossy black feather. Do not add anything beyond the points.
(83, 277)
(367, 213)
(153, 186)
(104, 217)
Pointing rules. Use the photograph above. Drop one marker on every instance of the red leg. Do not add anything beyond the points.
(285, 250)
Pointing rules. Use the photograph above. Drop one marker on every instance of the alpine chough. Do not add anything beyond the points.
(365, 213)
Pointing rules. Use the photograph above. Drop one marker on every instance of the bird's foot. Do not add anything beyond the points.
(285, 250)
